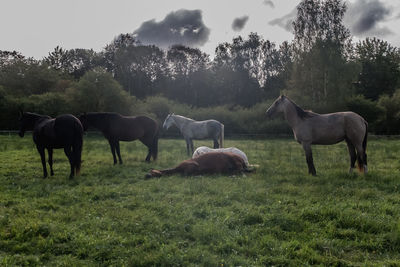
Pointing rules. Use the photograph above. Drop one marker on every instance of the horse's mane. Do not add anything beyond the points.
(183, 117)
(36, 115)
(303, 114)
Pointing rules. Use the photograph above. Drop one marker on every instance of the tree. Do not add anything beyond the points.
(322, 72)
(139, 69)
(75, 62)
(98, 91)
(23, 77)
(320, 21)
(380, 68)
(188, 69)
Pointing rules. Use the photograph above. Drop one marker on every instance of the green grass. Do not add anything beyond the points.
(112, 216)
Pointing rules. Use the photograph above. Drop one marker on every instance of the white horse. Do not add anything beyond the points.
(191, 129)
(203, 149)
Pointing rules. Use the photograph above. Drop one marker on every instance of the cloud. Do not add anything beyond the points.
(286, 21)
(183, 27)
(239, 23)
(363, 17)
(269, 3)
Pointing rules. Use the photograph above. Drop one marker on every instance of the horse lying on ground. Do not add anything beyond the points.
(203, 149)
(65, 132)
(208, 163)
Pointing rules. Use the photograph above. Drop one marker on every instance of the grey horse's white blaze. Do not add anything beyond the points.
(191, 129)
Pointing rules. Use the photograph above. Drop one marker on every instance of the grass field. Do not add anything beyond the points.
(112, 216)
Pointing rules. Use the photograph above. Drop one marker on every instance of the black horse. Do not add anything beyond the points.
(116, 127)
(65, 131)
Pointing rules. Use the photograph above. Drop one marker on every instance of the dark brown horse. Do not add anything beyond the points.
(116, 127)
(311, 128)
(208, 163)
(65, 132)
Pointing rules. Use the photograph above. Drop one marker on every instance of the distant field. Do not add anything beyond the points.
(111, 215)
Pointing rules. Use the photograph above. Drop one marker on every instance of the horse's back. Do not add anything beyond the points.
(331, 128)
(203, 149)
(128, 128)
(63, 130)
(221, 162)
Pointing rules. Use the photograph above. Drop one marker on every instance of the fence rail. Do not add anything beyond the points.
(234, 136)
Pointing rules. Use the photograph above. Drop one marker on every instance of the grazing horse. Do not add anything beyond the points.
(65, 131)
(116, 127)
(325, 129)
(191, 129)
(203, 149)
(208, 163)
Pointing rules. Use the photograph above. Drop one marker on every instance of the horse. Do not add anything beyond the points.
(116, 127)
(191, 129)
(203, 149)
(65, 131)
(311, 128)
(208, 163)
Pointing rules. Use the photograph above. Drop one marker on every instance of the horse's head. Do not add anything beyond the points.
(276, 107)
(83, 120)
(25, 123)
(169, 120)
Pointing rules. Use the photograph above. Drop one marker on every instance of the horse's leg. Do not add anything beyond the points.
(188, 146)
(68, 153)
(112, 147)
(146, 140)
(118, 152)
(361, 158)
(50, 151)
(43, 159)
(191, 146)
(216, 145)
(352, 153)
(309, 158)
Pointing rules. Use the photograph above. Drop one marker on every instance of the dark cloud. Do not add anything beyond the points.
(183, 26)
(285, 21)
(269, 3)
(363, 17)
(239, 23)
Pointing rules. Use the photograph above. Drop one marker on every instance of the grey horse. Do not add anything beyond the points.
(325, 129)
(191, 129)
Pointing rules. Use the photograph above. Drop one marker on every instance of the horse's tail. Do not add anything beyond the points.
(77, 149)
(362, 163)
(221, 136)
(154, 146)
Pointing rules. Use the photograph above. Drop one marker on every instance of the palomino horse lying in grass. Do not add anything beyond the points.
(310, 128)
(208, 163)
(203, 149)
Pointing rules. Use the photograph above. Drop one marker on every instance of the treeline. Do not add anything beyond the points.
(321, 69)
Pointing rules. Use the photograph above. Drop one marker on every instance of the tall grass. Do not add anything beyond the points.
(111, 215)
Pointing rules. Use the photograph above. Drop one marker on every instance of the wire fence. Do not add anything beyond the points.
(230, 135)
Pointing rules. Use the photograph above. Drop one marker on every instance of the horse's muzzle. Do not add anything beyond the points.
(21, 134)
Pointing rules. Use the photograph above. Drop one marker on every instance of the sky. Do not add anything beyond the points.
(35, 28)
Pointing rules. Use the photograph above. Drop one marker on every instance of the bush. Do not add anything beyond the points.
(368, 109)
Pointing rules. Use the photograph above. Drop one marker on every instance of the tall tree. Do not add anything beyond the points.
(380, 63)
(322, 73)
(139, 69)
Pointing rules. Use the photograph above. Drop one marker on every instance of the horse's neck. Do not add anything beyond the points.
(291, 115)
(180, 122)
(97, 121)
